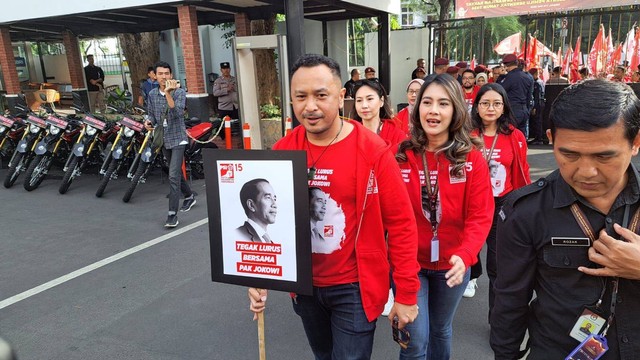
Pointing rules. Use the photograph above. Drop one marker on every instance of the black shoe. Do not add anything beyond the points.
(172, 221)
(188, 204)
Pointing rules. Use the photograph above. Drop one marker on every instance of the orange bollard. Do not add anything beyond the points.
(288, 126)
(246, 133)
(227, 132)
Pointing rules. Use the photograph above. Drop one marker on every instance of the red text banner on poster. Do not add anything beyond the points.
(497, 8)
(259, 269)
(258, 258)
(256, 247)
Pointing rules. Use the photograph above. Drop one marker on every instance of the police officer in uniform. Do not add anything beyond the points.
(226, 90)
(567, 236)
(519, 88)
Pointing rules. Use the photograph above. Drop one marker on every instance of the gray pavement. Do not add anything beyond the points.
(159, 302)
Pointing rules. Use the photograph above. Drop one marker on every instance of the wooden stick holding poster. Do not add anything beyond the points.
(259, 225)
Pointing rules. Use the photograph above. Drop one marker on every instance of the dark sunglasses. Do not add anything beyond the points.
(401, 336)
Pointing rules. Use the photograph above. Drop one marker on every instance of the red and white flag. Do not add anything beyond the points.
(509, 45)
(598, 54)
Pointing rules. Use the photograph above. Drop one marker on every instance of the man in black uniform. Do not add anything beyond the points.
(566, 236)
(519, 88)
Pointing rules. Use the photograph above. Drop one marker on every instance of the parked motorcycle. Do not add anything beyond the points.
(201, 136)
(89, 148)
(54, 146)
(24, 152)
(11, 131)
(126, 143)
(146, 157)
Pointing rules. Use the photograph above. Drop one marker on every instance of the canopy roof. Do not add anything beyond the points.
(98, 18)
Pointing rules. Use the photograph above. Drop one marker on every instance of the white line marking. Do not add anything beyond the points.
(72, 275)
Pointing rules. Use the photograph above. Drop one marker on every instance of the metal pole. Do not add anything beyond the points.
(125, 85)
(482, 40)
(44, 70)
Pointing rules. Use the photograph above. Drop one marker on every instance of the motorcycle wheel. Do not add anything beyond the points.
(14, 170)
(142, 168)
(107, 177)
(37, 171)
(74, 166)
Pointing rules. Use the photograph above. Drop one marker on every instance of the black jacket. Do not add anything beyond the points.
(527, 262)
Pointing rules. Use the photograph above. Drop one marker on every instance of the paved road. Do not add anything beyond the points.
(158, 302)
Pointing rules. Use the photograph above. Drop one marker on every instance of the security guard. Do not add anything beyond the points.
(567, 238)
(519, 88)
(225, 89)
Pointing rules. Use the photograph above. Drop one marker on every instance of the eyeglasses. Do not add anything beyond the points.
(413, 92)
(401, 336)
(485, 105)
(468, 78)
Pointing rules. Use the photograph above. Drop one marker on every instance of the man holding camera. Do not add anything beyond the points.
(165, 106)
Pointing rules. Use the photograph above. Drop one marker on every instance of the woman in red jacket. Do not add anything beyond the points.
(373, 110)
(453, 209)
(402, 118)
(505, 151)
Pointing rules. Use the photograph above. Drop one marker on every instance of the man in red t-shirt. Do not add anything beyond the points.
(469, 87)
(361, 197)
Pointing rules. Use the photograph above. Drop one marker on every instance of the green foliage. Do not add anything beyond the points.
(229, 34)
(269, 111)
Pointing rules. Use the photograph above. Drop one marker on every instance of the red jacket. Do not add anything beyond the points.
(383, 205)
(392, 134)
(467, 210)
(519, 166)
(402, 120)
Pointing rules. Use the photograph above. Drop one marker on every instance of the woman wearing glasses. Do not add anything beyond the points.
(505, 151)
(402, 119)
(373, 110)
(453, 208)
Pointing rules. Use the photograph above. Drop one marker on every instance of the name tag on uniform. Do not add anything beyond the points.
(570, 241)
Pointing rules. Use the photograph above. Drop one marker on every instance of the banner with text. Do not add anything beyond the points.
(497, 8)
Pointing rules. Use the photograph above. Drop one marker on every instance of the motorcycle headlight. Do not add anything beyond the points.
(53, 130)
(2, 128)
(34, 129)
(91, 130)
(129, 132)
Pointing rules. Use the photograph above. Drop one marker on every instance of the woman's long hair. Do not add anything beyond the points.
(504, 121)
(385, 110)
(460, 142)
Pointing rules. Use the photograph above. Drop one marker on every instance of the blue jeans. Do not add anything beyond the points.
(431, 331)
(177, 182)
(335, 323)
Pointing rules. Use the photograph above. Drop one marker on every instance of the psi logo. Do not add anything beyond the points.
(226, 173)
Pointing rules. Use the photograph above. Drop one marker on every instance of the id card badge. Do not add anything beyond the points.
(592, 348)
(435, 249)
(589, 322)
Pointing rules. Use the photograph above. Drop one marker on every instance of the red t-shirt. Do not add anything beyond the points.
(500, 164)
(470, 97)
(334, 257)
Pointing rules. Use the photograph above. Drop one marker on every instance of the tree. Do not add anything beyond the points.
(265, 62)
(141, 51)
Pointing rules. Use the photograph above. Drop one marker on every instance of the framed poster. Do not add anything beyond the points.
(258, 204)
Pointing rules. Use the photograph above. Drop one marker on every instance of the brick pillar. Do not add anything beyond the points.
(76, 70)
(9, 71)
(243, 24)
(197, 98)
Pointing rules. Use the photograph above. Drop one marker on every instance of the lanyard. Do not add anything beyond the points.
(430, 201)
(493, 146)
(584, 224)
